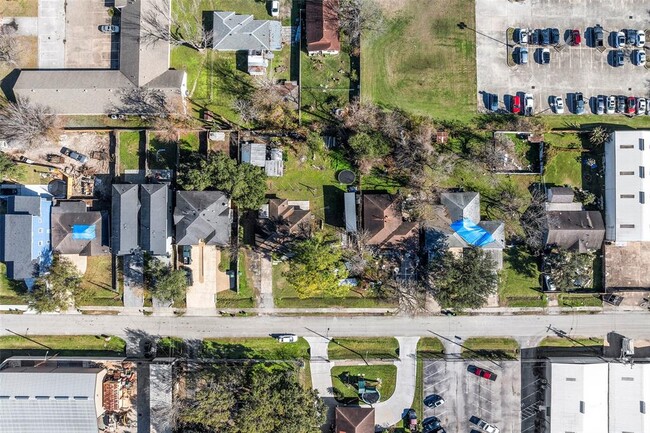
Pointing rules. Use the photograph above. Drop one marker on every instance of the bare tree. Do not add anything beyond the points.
(359, 17)
(25, 125)
(409, 294)
(266, 105)
(535, 222)
(182, 27)
(8, 43)
(142, 101)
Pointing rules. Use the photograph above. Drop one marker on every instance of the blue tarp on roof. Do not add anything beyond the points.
(472, 233)
(83, 232)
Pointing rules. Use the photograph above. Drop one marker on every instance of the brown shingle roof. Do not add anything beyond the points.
(355, 420)
(383, 221)
(322, 25)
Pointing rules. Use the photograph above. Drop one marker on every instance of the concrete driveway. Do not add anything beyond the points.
(51, 34)
(204, 267)
(133, 281)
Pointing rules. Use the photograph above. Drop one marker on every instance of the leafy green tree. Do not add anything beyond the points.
(58, 289)
(317, 268)
(8, 168)
(245, 183)
(598, 136)
(463, 281)
(165, 283)
(369, 146)
(570, 270)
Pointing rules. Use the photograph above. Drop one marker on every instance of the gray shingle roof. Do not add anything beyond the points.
(154, 217)
(124, 213)
(575, 230)
(232, 32)
(49, 400)
(20, 204)
(202, 215)
(462, 205)
(16, 248)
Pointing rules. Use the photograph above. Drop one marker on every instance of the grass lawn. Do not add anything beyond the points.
(314, 180)
(423, 62)
(96, 283)
(255, 348)
(520, 280)
(564, 168)
(325, 83)
(162, 153)
(360, 348)
(615, 122)
(490, 348)
(345, 380)
(579, 300)
(130, 150)
(33, 175)
(68, 345)
(19, 8)
(246, 296)
(573, 342)
(285, 296)
(430, 347)
(11, 292)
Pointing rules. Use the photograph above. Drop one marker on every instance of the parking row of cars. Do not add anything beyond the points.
(604, 104)
(551, 36)
(637, 57)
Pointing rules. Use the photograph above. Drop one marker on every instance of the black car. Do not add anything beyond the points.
(546, 37)
(555, 36)
(619, 58)
(546, 56)
(74, 155)
(534, 37)
(432, 425)
(579, 103)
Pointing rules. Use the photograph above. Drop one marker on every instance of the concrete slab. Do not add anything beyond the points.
(85, 45)
(572, 68)
(27, 26)
(80, 262)
(133, 281)
(51, 34)
(204, 267)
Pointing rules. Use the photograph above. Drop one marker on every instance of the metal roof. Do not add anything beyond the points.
(232, 32)
(254, 154)
(349, 199)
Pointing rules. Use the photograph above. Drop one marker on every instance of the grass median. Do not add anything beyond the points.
(363, 348)
(61, 345)
(490, 348)
(255, 348)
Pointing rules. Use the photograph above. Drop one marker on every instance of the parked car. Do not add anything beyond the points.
(548, 283)
(546, 37)
(522, 36)
(535, 37)
(619, 40)
(287, 338)
(640, 106)
(619, 58)
(494, 102)
(546, 56)
(485, 426)
(640, 38)
(74, 155)
(600, 104)
(555, 36)
(516, 104)
(431, 425)
(275, 8)
(610, 108)
(412, 418)
(598, 35)
(620, 104)
(433, 400)
(109, 29)
(631, 36)
(523, 56)
(575, 37)
(630, 106)
(639, 57)
(528, 104)
(188, 275)
(558, 105)
(485, 374)
(579, 103)
(187, 254)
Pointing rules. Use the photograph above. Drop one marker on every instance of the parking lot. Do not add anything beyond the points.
(85, 45)
(466, 395)
(572, 68)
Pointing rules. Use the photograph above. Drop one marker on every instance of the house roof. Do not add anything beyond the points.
(383, 222)
(254, 154)
(288, 215)
(124, 212)
(560, 194)
(154, 218)
(349, 200)
(353, 419)
(322, 25)
(77, 91)
(16, 248)
(462, 205)
(575, 230)
(202, 216)
(68, 218)
(233, 32)
(21, 204)
(50, 399)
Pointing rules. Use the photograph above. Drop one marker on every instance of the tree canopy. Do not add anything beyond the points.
(8, 168)
(252, 398)
(570, 270)
(58, 289)
(165, 283)
(463, 281)
(316, 268)
(244, 183)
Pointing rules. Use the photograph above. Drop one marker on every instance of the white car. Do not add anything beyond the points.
(275, 8)
(639, 57)
(489, 428)
(523, 36)
(558, 105)
(287, 338)
(528, 105)
(640, 38)
(640, 106)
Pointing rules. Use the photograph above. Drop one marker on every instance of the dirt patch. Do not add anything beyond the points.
(19, 8)
(390, 7)
(27, 54)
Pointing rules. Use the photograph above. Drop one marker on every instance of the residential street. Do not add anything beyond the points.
(630, 324)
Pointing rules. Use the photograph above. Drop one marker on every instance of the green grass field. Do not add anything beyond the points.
(255, 348)
(360, 348)
(573, 342)
(246, 296)
(424, 62)
(430, 347)
(520, 280)
(345, 380)
(11, 292)
(564, 168)
(69, 345)
(130, 150)
(579, 300)
(96, 283)
(161, 153)
(490, 348)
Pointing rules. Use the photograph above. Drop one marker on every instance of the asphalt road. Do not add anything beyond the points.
(630, 324)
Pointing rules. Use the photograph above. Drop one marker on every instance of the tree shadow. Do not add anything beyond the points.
(522, 263)
(333, 201)
(229, 81)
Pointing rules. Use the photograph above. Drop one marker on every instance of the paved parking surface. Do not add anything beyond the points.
(85, 45)
(467, 395)
(51, 34)
(572, 69)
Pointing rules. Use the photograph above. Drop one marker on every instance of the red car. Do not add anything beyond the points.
(575, 37)
(516, 105)
(630, 107)
(485, 374)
